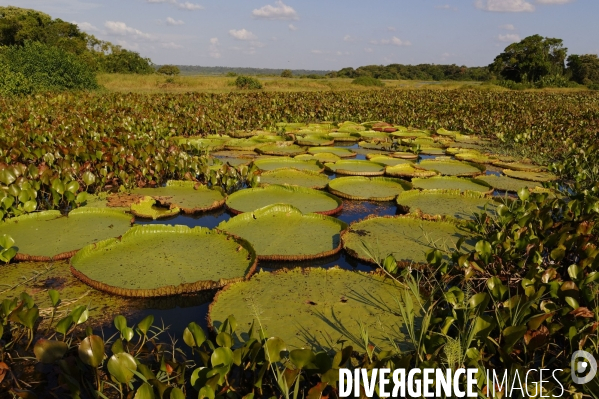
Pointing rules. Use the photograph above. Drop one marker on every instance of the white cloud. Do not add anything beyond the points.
(121, 29)
(86, 26)
(257, 44)
(343, 53)
(368, 50)
(509, 38)
(292, 27)
(555, 1)
(391, 29)
(183, 6)
(504, 5)
(171, 45)
(446, 7)
(508, 27)
(374, 42)
(319, 52)
(242, 34)
(395, 41)
(174, 22)
(349, 38)
(279, 11)
(214, 50)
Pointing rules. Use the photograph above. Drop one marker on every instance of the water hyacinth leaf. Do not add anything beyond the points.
(64, 325)
(49, 351)
(330, 302)
(283, 232)
(134, 265)
(81, 227)
(306, 200)
(54, 297)
(484, 250)
(88, 178)
(120, 322)
(145, 324)
(301, 357)
(91, 350)
(176, 393)
(224, 339)
(222, 356)
(513, 334)
(368, 189)
(206, 392)
(121, 367)
(273, 348)
(145, 391)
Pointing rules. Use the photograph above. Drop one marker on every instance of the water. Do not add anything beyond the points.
(178, 312)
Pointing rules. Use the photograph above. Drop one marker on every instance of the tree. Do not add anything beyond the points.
(584, 68)
(287, 73)
(531, 59)
(170, 70)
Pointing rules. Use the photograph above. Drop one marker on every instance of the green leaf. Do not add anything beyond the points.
(145, 391)
(206, 393)
(58, 186)
(513, 334)
(482, 326)
(222, 357)
(54, 297)
(120, 322)
(558, 253)
(176, 393)
(573, 303)
(301, 357)
(64, 325)
(47, 351)
(484, 250)
(523, 194)
(72, 187)
(80, 314)
(6, 241)
(120, 366)
(145, 324)
(91, 350)
(89, 178)
(224, 339)
(197, 334)
(273, 348)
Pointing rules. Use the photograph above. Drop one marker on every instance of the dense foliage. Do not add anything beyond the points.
(416, 72)
(169, 70)
(584, 68)
(35, 67)
(367, 81)
(248, 82)
(19, 25)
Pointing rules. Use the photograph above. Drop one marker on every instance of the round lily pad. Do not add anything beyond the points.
(408, 170)
(148, 208)
(307, 200)
(191, 197)
(340, 152)
(452, 183)
(295, 177)
(48, 235)
(368, 188)
(404, 155)
(345, 137)
(356, 168)
(386, 160)
(504, 183)
(519, 166)
(408, 238)
(243, 144)
(284, 163)
(432, 151)
(315, 140)
(321, 157)
(410, 134)
(452, 167)
(452, 203)
(445, 132)
(380, 146)
(162, 260)
(315, 308)
(530, 175)
(474, 156)
(282, 232)
(283, 149)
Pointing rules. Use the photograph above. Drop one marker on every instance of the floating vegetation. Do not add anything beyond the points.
(530, 175)
(452, 167)
(505, 183)
(452, 183)
(356, 168)
(148, 208)
(452, 203)
(284, 148)
(159, 260)
(295, 177)
(408, 170)
(191, 197)
(282, 232)
(386, 160)
(284, 163)
(340, 152)
(368, 188)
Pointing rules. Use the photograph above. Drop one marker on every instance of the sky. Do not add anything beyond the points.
(324, 34)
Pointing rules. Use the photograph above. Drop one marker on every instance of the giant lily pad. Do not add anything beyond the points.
(283, 232)
(380, 146)
(282, 148)
(387, 160)
(284, 163)
(345, 137)
(408, 170)
(452, 168)
(519, 166)
(444, 132)
(368, 188)
(48, 235)
(162, 260)
(148, 208)
(320, 157)
(315, 308)
(504, 183)
(340, 152)
(452, 183)
(474, 156)
(295, 177)
(453, 203)
(432, 151)
(529, 175)
(190, 196)
(356, 168)
(404, 155)
(305, 199)
(313, 140)
(243, 144)
(408, 238)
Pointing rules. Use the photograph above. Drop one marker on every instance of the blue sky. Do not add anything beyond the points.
(326, 34)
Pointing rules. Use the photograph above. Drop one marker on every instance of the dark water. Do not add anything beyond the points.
(179, 312)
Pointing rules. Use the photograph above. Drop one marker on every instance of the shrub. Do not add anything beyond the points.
(247, 82)
(125, 61)
(231, 74)
(287, 73)
(38, 67)
(367, 81)
(593, 86)
(170, 70)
